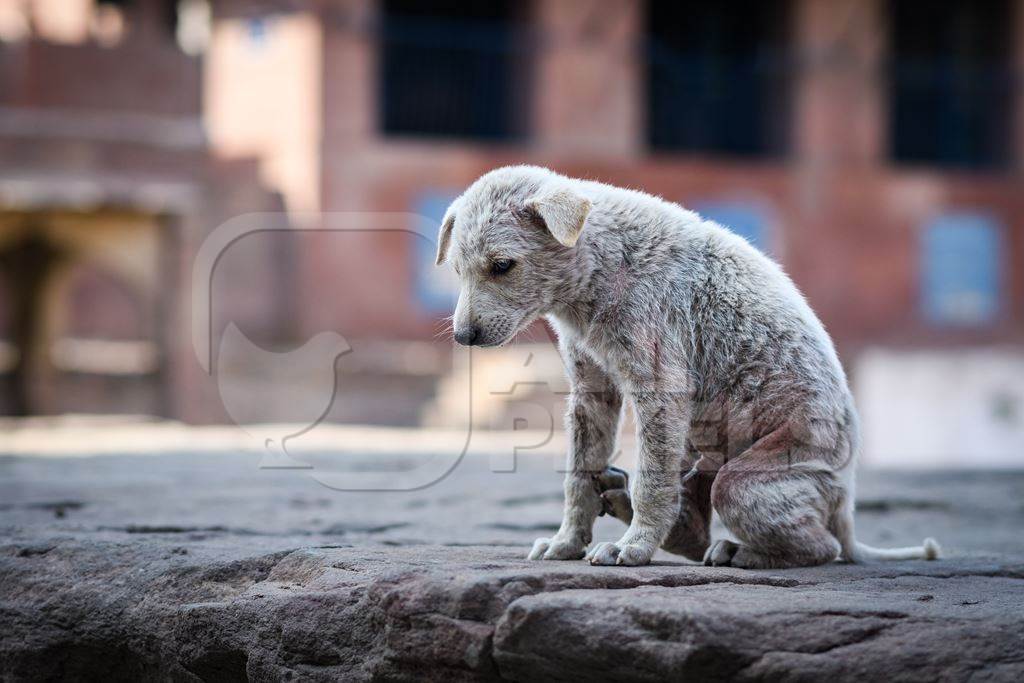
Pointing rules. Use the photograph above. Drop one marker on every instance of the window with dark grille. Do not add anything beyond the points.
(451, 69)
(717, 76)
(950, 82)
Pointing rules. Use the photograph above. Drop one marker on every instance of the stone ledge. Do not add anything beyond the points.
(74, 608)
(202, 567)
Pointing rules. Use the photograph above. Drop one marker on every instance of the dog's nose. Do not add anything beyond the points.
(468, 336)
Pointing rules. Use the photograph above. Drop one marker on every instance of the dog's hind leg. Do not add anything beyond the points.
(780, 517)
(691, 532)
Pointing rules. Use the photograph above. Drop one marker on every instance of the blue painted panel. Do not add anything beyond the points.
(960, 269)
(436, 289)
(257, 28)
(745, 219)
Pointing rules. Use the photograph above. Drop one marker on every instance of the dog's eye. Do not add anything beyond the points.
(501, 266)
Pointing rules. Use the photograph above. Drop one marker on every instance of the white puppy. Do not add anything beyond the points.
(740, 400)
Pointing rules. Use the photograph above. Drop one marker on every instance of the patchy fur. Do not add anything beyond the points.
(740, 400)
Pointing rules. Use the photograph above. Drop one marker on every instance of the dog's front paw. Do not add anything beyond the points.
(628, 554)
(616, 503)
(556, 548)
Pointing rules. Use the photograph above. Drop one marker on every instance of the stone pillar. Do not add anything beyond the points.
(840, 92)
(588, 97)
(349, 160)
(839, 121)
(349, 104)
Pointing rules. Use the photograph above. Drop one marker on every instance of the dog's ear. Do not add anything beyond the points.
(444, 237)
(563, 213)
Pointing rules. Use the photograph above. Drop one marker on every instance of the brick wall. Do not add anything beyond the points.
(847, 224)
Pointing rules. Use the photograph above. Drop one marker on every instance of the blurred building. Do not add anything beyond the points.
(874, 147)
(107, 186)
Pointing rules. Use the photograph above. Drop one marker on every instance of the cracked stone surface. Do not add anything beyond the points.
(203, 567)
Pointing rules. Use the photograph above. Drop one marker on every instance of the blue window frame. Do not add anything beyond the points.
(745, 219)
(435, 289)
(960, 270)
(257, 29)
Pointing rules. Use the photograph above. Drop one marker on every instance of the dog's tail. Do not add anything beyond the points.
(855, 551)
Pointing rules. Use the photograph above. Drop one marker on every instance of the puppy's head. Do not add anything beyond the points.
(511, 239)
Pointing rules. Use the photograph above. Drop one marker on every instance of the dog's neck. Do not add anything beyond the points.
(579, 302)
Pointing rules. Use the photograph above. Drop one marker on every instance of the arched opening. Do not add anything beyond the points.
(80, 327)
(103, 348)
